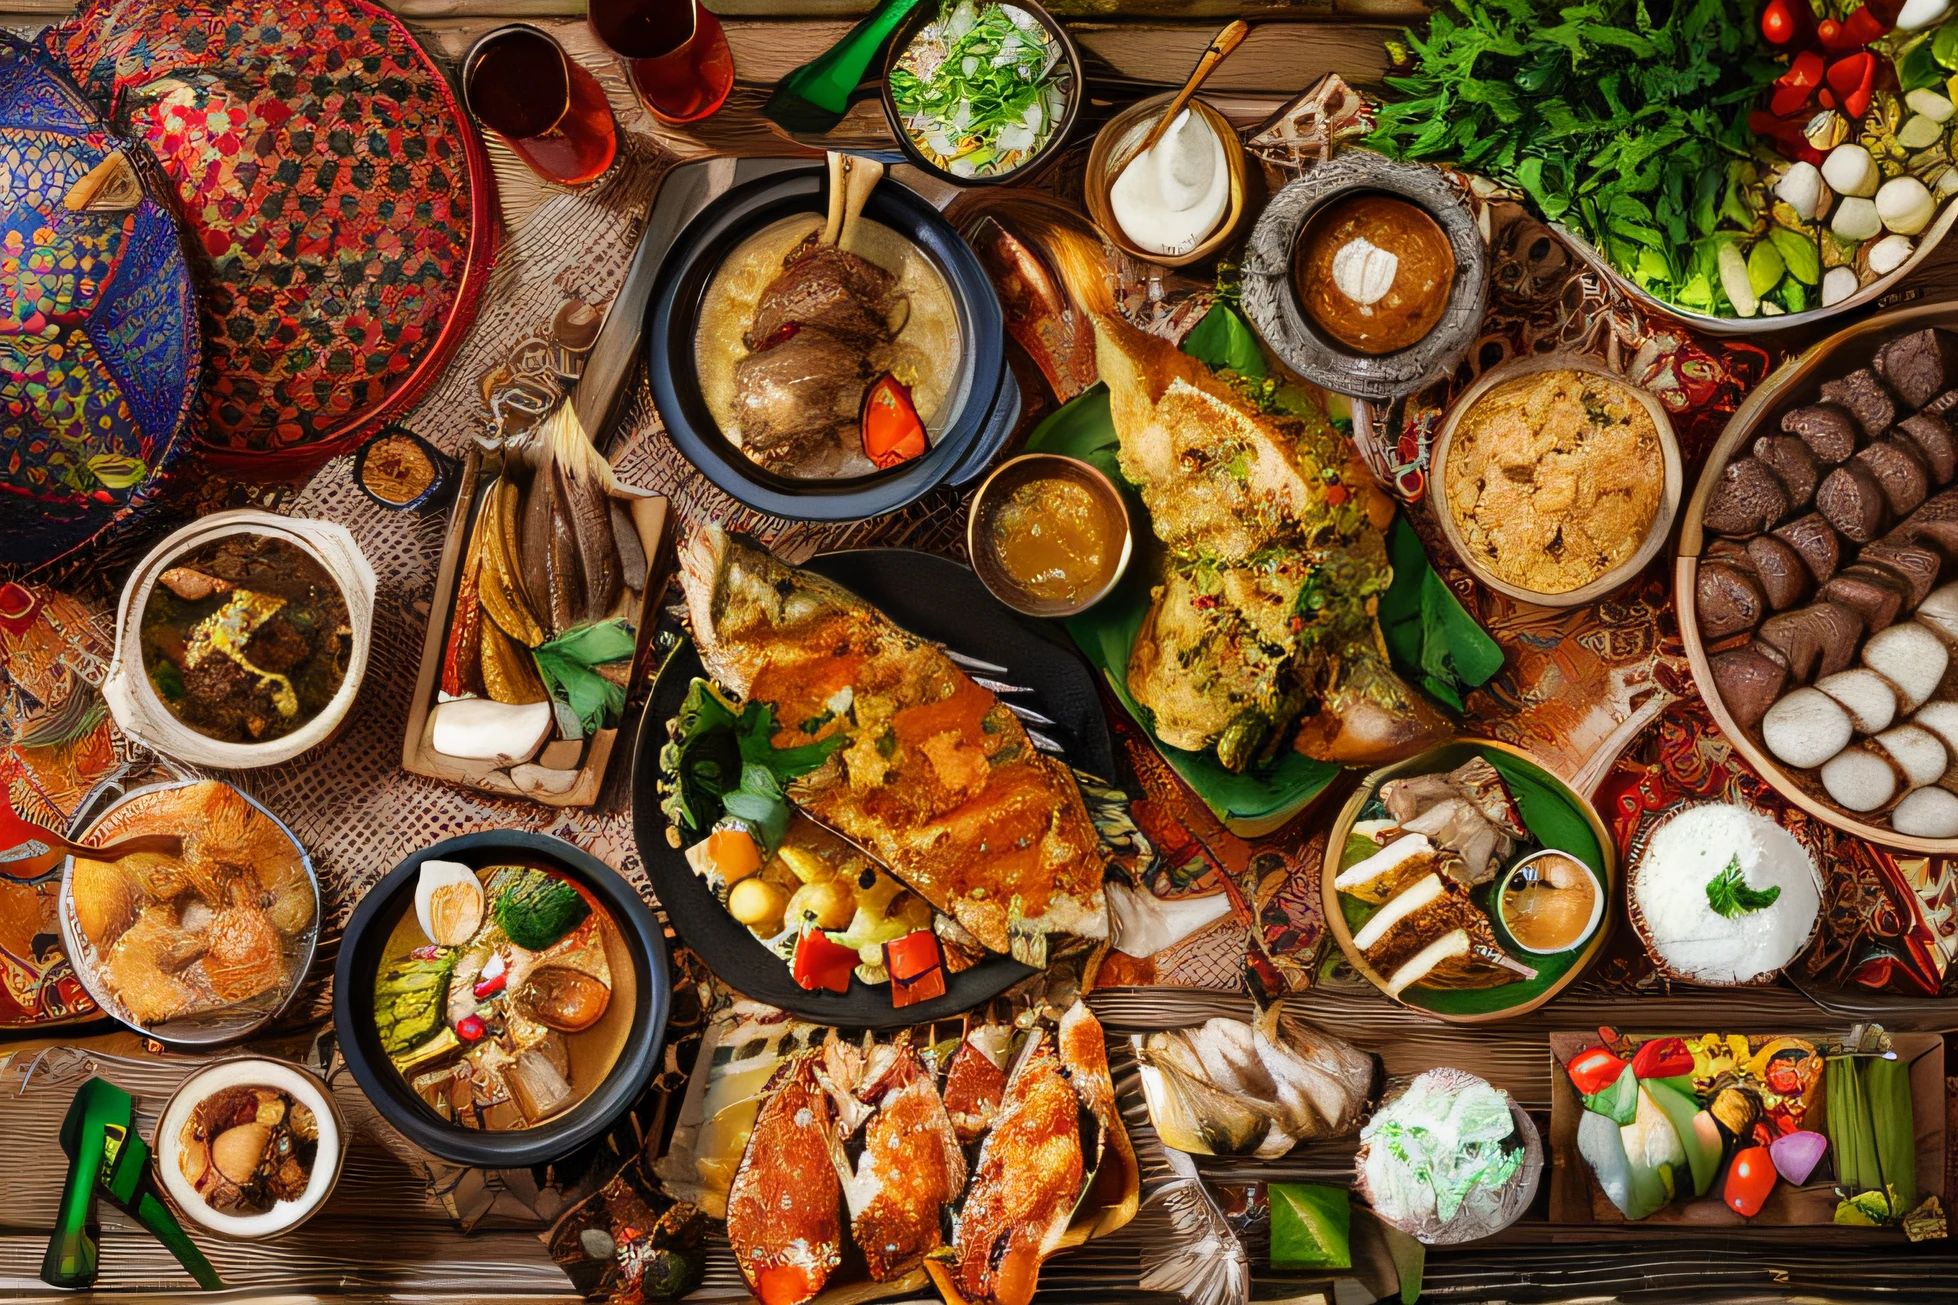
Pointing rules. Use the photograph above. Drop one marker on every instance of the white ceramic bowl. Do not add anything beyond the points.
(144, 717)
(250, 1071)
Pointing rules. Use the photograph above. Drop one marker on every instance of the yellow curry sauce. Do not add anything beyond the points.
(1374, 272)
(1055, 539)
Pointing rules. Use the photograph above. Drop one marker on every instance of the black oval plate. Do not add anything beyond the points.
(353, 1004)
(938, 599)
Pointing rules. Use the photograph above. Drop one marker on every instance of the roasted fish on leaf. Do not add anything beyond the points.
(938, 780)
(785, 1208)
(1274, 556)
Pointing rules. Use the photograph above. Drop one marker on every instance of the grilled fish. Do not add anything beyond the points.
(1274, 553)
(938, 781)
(1024, 1188)
(785, 1207)
(910, 1170)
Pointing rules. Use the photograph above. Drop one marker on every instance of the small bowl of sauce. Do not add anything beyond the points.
(1374, 271)
(1049, 535)
(1549, 902)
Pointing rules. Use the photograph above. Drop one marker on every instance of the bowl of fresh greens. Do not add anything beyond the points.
(980, 92)
(1738, 170)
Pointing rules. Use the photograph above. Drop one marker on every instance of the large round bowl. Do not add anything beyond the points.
(985, 401)
(196, 1032)
(1271, 297)
(1655, 533)
(365, 942)
(1793, 384)
(1556, 815)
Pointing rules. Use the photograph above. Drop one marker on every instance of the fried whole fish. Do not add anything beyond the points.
(1274, 555)
(911, 1168)
(938, 781)
(1024, 1187)
(785, 1207)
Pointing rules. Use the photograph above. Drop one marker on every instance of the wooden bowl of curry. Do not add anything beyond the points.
(1049, 535)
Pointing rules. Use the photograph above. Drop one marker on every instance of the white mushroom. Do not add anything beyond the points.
(1918, 753)
(1867, 696)
(1801, 189)
(1806, 728)
(1941, 718)
(1860, 779)
(1905, 205)
(1910, 657)
(1927, 813)
(1838, 284)
(1856, 219)
(1930, 104)
(1889, 254)
(1919, 132)
(1850, 170)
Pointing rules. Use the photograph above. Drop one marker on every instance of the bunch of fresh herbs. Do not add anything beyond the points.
(1623, 119)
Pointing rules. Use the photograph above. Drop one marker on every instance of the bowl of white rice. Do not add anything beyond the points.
(1722, 896)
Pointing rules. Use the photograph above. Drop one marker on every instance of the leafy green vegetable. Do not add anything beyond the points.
(534, 909)
(566, 664)
(1626, 121)
(979, 93)
(1430, 636)
(1798, 253)
(1728, 894)
(723, 759)
(1223, 341)
(410, 998)
(1619, 1102)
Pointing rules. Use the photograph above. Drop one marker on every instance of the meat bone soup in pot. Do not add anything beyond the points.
(792, 334)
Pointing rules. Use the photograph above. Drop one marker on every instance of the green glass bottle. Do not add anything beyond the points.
(815, 97)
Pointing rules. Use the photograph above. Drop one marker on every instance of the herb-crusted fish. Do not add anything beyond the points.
(938, 781)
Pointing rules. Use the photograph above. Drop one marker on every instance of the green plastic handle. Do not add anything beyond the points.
(156, 1216)
(827, 80)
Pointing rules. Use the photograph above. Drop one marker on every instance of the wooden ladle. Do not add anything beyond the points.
(1220, 45)
(39, 849)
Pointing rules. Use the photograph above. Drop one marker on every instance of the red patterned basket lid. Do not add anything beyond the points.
(98, 328)
(340, 209)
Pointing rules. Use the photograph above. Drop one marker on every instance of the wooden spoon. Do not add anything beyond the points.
(42, 849)
(1220, 45)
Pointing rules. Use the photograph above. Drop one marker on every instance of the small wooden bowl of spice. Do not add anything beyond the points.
(399, 469)
(1049, 535)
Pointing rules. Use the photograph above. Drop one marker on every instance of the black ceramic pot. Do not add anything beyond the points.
(985, 400)
(365, 940)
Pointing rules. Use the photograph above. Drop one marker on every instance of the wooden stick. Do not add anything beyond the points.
(1222, 44)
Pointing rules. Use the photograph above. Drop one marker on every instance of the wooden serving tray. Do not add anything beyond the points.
(1576, 1198)
(419, 757)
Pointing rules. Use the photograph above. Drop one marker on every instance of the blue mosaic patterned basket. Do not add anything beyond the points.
(99, 347)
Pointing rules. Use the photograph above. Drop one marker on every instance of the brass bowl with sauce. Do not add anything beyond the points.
(1117, 143)
(1019, 555)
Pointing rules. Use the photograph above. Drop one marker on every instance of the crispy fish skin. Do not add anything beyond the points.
(1024, 1187)
(910, 1170)
(939, 781)
(785, 1206)
(974, 1083)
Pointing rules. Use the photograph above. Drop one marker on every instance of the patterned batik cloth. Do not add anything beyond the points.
(98, 337)
(339, 208)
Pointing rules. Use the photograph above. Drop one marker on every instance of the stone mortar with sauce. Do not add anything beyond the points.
(1373, 271)
(1049, 535)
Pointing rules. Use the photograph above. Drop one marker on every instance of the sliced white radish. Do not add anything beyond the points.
(1806, 728)
(1919, 753)
(1417, 967)
(1889, 254)
(1939, 610)
(1416, 895)
(1859, 779)
(1910, 657)
(1941, 718)
(1927, 813)
(1867, 696)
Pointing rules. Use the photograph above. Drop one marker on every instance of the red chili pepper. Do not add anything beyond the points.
(1663, 1058)
(923, 988)
(912, 955)
(1805, 70)
(490, 987)
(820, 963)
(1787, 101)
(1862, 27)
(1829, 32)
(470, 1028)
(1785, 136)
(1851, 79)
(1749, 1180)
(892, 430)
(1594, 1070)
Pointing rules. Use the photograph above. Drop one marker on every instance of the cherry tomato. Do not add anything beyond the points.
(1750, 1178)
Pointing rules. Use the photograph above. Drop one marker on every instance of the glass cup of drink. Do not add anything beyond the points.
(519, 82)
(674, 51)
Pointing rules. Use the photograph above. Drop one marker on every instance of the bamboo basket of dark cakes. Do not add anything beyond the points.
(1817, 580)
